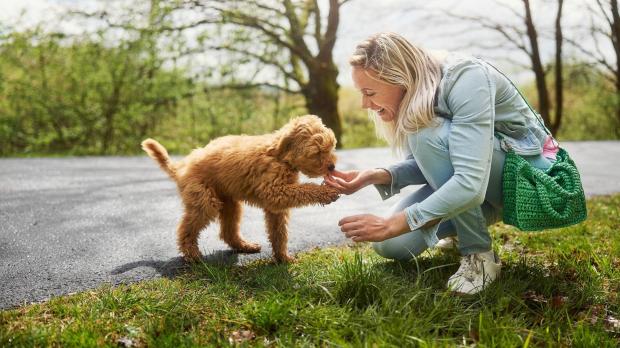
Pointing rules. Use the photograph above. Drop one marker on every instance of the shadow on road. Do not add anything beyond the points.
(177, 265)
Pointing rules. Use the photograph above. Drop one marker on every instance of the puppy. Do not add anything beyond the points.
(260, 170)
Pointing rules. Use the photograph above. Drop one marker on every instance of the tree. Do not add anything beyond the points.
(291, 39)
(525, 38)
(604, 26)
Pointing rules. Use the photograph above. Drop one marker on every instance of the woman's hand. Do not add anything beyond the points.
(346, 182)
(352, 181)
(371, 228)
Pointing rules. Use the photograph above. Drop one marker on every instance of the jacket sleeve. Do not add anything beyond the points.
(403, 174)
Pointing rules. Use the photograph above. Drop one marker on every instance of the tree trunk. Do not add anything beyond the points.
(321, 94)
(559, 82)
(615, 40)
(539, 72)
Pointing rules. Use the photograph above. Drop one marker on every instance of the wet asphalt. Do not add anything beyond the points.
(71, 224)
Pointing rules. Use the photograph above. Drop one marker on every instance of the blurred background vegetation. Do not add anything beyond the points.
(185, 72)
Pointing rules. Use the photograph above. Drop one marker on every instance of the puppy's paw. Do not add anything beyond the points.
(286, 258)
(248, 248)
(192, 257)
(329, 194)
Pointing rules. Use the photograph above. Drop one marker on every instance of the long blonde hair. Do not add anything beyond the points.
(398, 62)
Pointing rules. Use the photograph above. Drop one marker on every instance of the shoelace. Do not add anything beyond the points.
(470, 266)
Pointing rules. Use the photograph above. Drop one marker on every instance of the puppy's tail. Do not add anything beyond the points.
(157, 152)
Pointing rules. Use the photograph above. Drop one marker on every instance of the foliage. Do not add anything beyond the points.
(64, 95)
(590, 104)
(82, 97)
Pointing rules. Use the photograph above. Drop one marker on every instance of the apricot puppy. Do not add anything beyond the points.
(260, 170)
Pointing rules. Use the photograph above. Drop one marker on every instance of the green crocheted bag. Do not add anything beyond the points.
(535, 199)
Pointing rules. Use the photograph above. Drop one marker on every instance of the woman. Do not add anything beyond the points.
(442, 111)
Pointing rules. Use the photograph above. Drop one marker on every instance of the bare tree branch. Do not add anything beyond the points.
(598, 59)
(259, 57)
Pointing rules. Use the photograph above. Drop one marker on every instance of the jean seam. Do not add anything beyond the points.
(476, 248)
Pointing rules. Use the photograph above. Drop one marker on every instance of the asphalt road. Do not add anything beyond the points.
(70, 224)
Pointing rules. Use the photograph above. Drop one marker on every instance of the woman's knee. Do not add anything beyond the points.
(402, 248)
(390, 251)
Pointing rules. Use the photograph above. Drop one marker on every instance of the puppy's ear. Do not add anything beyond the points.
(282, 142)
(283, 145)
(319, 139)
(295, 130)
(325, 139)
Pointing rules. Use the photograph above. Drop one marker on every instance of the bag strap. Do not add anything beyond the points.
(524, 99)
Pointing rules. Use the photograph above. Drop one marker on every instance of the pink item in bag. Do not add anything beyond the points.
(550, 148)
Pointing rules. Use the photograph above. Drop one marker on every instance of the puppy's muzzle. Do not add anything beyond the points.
(331, 167)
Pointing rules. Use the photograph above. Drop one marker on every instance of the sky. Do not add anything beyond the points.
(361, 18)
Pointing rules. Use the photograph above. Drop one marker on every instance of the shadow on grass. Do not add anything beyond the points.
(361, 281)
(333, 293)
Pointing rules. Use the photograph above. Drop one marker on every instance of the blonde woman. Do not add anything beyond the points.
(442, 111)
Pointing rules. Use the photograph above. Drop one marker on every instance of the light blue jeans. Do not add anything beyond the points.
(472, 238)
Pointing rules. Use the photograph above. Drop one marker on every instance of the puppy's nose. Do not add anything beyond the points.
(331, 167)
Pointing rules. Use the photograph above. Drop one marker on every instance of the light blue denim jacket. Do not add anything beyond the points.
(480, 102)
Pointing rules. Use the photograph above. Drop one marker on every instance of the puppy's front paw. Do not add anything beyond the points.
(329, 194)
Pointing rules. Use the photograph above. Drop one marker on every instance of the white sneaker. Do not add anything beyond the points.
(447, 243)
(476, 272)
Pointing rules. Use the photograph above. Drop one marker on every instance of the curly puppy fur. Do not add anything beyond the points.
(260, 170)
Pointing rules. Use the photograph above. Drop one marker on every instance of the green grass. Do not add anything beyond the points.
(558, 288)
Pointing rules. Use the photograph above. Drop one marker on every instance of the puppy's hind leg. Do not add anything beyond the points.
(278, 234)
(201, 207)
(230, 220)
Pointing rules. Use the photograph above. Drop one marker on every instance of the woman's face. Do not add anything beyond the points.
(377, 95)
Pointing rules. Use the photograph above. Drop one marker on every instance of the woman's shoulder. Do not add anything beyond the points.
(455, 63)
(461, 75)
(463, 70)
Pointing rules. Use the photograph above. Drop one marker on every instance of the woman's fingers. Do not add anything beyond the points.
(350, 219)
(354, 232)
(347, 176)
(351, 226)
(360, 238)
(338, 173)
(363, 228)
(337, 179)
(343, 186)
(331, 182)
(358, 235)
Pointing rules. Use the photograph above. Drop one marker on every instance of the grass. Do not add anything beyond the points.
(558, 288)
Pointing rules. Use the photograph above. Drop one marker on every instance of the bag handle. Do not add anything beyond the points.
(522, 97)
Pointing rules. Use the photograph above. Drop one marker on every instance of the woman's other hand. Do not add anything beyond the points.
(372, 228)
(353, 180)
